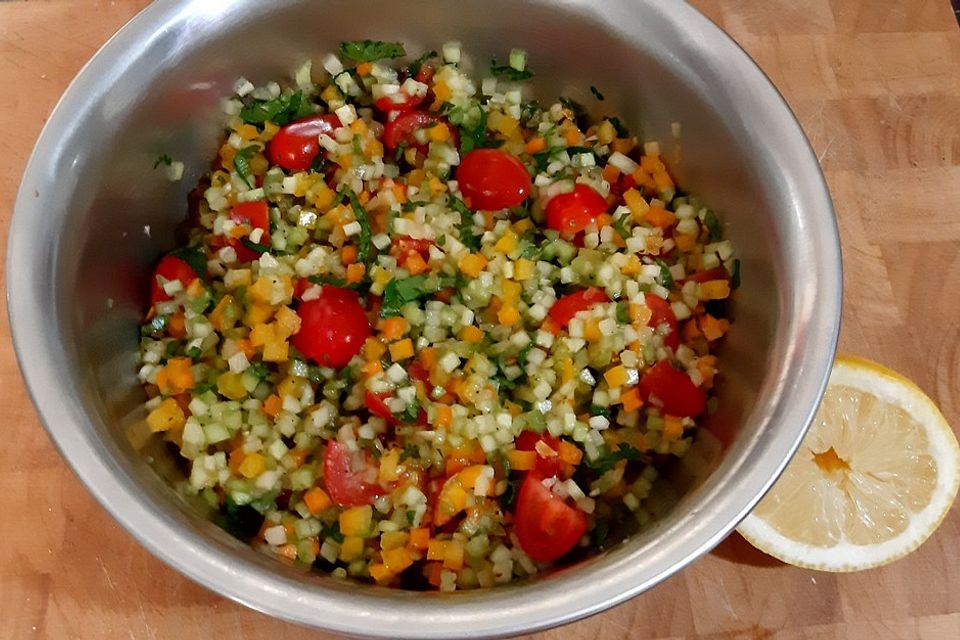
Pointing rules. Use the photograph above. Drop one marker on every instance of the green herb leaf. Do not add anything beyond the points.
(322, 280)
(194, 257)
(607, 462)
(194, 352)
(524, 354)
(411, 517)
(414, 67)
(623, 312)
(666, 279)
(410, 414)
(712, 223)
(333, 531)
(260, 370)
(597, 410)
(601, 531)
(509, 73)
(164, 159)
(363, 242)
(465, 228)
(596, 93)
(280, 110)
(243, 521)
(472, 124)
(255, 247)
(370, 50)
(620, 226)
(241, 162)
(398, 293)
(409, 451)
(735, 275)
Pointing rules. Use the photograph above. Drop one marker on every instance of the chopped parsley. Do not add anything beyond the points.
(163, 159)
(241, 162)
(596, 93)
(370, 50)
(735, 274)
(712, 224)
(467, 237)
(280, 110)
(624, 452)
(363, 242)
(666, 278)
(401, 292)
(509, 73)
(623, 312)
(414, 67)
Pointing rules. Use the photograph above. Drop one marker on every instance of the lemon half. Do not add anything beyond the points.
(874, 477)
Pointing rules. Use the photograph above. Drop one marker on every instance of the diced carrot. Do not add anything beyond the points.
(380, 573)
(298, 457)
(685, 241)
(471, 334)
(521, 460)
(672, 428)
(401, 350)
(252, 465)
(660, 217)
(364, 68)
(432, 572)
(317, 500)
(624, 145)
(508, 315)
(396, 560)
(610, 173)
(631, 400)
(570, 453)
(176, 377)
(419, 538)
(166, 417)
(436, 549)
(690, 331)
(572, 136)
(713, 290)
(394, 328)
(713, 328)
(444, 416)
(472, 264)
(415, 263)
(535, 145)
(348, 255)
(236, 459)
(373, 349)
(272, 405)
(355, 273)
(372, 368)
(177, 325)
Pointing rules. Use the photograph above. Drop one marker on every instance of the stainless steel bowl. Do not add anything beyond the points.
(92, 215)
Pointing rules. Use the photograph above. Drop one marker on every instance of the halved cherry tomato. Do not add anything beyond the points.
(345, 485)
(417, 371)
(546, 466)
(493, 179)
(398, 102)
(571, 213)
(571, 304)
(401, 129)
(298, 143)
(547, 527)
(256, 215)
(675, 390)
(332, 328)
(663, 314)
(170, 268)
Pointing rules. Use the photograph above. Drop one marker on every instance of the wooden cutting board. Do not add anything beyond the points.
(876, 85)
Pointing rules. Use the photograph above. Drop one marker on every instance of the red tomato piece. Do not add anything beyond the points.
(398, 102)
(376, 403)
(546, 466)
(170, 268)
(255, 215)
(298, 143)
(675, 390)
(547, 527)
(404, 245)
(417, 371)
(571, 304)
(347, 486)
(663, 314)
(332, 328)
(571, 213)
(401, 129)
(493, 179)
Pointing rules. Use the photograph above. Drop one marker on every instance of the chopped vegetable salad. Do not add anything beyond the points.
(428, 332)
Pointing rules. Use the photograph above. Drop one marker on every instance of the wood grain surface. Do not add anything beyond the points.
(876, 86)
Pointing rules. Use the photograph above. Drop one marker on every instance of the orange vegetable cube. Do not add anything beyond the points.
(252, 465)
(660, 217)
(401, 350)
(713, 290)
(616, 376)
(508, 315)
(167, 416)
(521, 460)
(631, 400)
(317, 500)
(472, 264)
(471, 334)
(351, 549)
(396, 560)
(570, 453)
(444, 416)
(272, 405)
(380, 573)
(419, 538)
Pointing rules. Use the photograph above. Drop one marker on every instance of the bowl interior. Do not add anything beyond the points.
(107, 214)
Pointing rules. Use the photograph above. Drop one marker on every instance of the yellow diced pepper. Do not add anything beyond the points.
(253, 465)
(257, 313)
(616, 376)
(521, 460)
(439, 132)
(261, 290)
(635, 202)
(523, 269)
(388, 466)
(168, 416)
(507, 243)
(508, 315)
(672, 428)
(401, 350)
(356, 521)
(713, 290)
(453, 558)
(221, 317)
(276, 351)
(472, 264)
(380, 573)
(396, 560)
(230, 384)
(351, 549)
(393, 540)
(288, 322)
(262, 334)
(471, 334)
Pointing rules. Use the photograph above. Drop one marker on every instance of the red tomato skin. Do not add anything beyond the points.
(571, 304)
(493, 179)
(376, 403)
(170, 268)
(404, 245)
(297, 144)
(388, 104)
(346, 487)
(547, 527)
(546, 467)
(256, 215)
(333, 327)
(663, 314)
(571, 213)
(401, 129)
(717, 273)
(675, 389)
